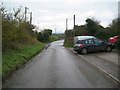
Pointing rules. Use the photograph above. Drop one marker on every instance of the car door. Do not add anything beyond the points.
(99, 44)
(90, 44)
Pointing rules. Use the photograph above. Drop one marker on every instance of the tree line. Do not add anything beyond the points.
(44, 35)
(93, 28)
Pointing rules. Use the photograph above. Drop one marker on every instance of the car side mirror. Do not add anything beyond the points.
(102, 42)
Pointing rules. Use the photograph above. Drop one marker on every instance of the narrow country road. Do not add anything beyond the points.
(57, 67)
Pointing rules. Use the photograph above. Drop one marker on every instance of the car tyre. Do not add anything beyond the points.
(84, 51)
(109, 49)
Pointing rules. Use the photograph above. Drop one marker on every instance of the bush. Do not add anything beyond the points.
(15, 30)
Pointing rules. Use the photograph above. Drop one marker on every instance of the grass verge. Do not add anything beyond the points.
(56, 37)
(69, 45)
(53, 38)
(13, 59)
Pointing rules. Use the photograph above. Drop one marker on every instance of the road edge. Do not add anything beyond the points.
(97, 67)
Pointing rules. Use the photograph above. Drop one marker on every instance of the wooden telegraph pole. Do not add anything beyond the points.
(73, 28)
(30, 18)
(66, 24)
(26, 13)
(74, 21)
(74, 25)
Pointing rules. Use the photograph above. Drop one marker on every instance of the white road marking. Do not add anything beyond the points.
(108, 74)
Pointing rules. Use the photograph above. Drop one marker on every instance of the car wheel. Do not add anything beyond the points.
(84, 51)
(109, 49)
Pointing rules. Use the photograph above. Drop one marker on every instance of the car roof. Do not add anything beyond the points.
(84, 37)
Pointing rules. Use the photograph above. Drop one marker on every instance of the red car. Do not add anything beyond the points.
(113, 39)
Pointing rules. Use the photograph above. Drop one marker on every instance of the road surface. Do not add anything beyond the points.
(57, 67)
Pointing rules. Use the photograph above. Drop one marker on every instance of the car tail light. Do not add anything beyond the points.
(81, 45)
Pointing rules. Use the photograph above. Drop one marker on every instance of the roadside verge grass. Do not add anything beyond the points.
(68, 42)
(68, 45)
(13, 59)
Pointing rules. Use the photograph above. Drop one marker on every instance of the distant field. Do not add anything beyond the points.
(56, 37)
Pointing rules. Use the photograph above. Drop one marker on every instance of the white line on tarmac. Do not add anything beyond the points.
(111, 76)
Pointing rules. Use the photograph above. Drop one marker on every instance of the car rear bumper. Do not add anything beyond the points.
(77, 48)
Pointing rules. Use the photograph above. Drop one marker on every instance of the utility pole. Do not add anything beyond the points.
(74, 21)
(55, 30)
(26, 13)
(66, 24)
(30, 18)
(73, 28)
(74, 25)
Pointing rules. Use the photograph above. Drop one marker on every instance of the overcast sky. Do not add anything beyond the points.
(53, 13)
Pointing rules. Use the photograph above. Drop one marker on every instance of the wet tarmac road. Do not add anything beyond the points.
(57, 67)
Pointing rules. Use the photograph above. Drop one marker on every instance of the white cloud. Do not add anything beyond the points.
(53, 13)
(67, 1)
